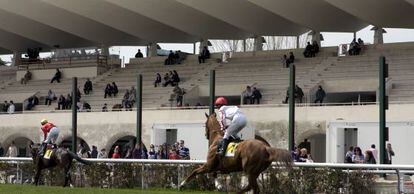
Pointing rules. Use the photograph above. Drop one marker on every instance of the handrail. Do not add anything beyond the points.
(73, 61)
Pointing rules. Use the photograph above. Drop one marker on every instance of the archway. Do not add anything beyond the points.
(67, 143)
(124, 144)
(316, 146)
(22, 144)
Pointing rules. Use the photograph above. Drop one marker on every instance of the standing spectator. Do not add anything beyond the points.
(61, 102)
(349, 155)
(256, 95)
(12, 151)
(374, 152)
(30, 103)
(179, 94)
(287, 96)
(389, 153)
(308, 51)
(116, 153)
(304, 156)
(299, 93)
(315, 48)
(137, 152)
(173, 154)
(175, 77)
(5, 106)
(11, 108)
(78, 95)
(170, 59)
(57, 77)
(1, 151)
(87, 87)
(102, 153)
(369, 158)
(105, 108)
(320, 95)
(167, 80)
(139, 54)
(248, 95)
(50, 97)
(68, 103)
(183, 151)
(204, 54)
(152, 154)
(285, 61)
(94, 152)
(291, 58)
(162, 152)
(108, 90)
(157, 80)
(27, 77)
(358, 157)
(114, 89)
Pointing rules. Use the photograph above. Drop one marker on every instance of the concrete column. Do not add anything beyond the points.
(105, 50)
(378, 35)
(297, 41)
(17, 58)
(203, 43)
(244, 45)
(258, 43)
(152, 50)
(194, 48)
(316, 36)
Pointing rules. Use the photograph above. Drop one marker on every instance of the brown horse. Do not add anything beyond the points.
(251, 156)
(60, 157)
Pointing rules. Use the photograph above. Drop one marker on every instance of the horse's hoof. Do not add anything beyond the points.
(70, 185)
(182, 184)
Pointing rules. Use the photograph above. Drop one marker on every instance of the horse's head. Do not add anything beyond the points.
(212, 124)
(34, 149)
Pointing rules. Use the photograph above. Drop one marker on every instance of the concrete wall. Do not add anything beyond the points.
(41, 74)
(103, 129)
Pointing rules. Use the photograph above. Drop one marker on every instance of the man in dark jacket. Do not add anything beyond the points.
(299, 93)
(87, 87)
(256, 95)
(320, 95)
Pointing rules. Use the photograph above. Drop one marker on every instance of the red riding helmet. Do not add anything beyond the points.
(221, 101)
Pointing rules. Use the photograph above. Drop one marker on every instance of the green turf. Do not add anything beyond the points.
(28, 189)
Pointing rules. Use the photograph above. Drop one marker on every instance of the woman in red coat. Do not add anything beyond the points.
(116, 153)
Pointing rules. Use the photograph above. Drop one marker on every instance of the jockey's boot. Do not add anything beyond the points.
(42, 149)
(222, 147)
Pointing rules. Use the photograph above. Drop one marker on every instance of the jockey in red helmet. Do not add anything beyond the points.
(50, 134)
(232, 120)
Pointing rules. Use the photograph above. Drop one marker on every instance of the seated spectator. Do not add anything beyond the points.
(87, 87)
(183, 151)
(358, 157)
(61, 102)
(157, 80)
(257, 95)
(170, 59)
(315, 48)
(167, 80)
(11, 109)
(68, 103)
(369, 158)
(173, 154)
(204, 54)
(132, 95)
(125, 100)
(299, 94)
(35, 100)
(320, 95)
(5, 106)
(79, 107)
(354, 48)
(108, 90)
(248, 96)
(179, 94)
(175, 77)
(117, 107)
(87, 107)
(291, 59)
(114, 89)
(26, 78)
(180, 56)
(50, 97)
(105, 108)
(57, 77)
(30, 103)
(139, 54)
(308, 50)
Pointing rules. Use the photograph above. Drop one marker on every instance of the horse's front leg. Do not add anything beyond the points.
(200, 170)
(37, 176)
(67, 175)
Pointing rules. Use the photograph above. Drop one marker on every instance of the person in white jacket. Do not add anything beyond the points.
(232, 121)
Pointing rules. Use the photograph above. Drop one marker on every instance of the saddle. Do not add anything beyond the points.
(231, 148)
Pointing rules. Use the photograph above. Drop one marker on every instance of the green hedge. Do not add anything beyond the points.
(130, 175)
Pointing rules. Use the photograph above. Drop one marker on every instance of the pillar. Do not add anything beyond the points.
(203, 43)
(297, 41)
(152, 50)
(244, 45)
(105, 50)
(17, 58)
(378, 34)
(316, 36)
(258, 43)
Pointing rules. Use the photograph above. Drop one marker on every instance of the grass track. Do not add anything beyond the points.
(28, 189)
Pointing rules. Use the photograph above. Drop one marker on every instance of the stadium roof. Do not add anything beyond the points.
(80, 23)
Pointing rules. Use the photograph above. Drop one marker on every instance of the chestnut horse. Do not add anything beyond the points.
(251, 156)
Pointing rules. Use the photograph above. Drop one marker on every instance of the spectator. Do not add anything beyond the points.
(157, 80)
(320, 95)
(389, 153)
(152, 154)
(87, 107)
(354, 48)
(308, 51)
(168, 80)
(50, 97)
(257, 95)
(291, 59)
(179, 94)
(137, 152)
(61, 102)
(78, 95)
(349, 155)
(285, 61)
(374, 152)
(102, 153)
(162, 152)
(108, 90)
(287, 96)
(180, 56)
(305, 144)
(27, 77)
(248, 95)
(173, 154)
(116, 153)
(132, 95)
(315, 48)
(299, 93)
(170, 59)
(105, 108)
(183, 151)
(175, 77)
(35, 100)
(304, 156)
(295, 154)
(369, 157)
(358, 157)
(94, 152)
(114, 89)
(125, 100)
(5, 106)
(11, 108)
(12, 151)
(204, 54)
(139, 54)
(87, 87)
(30, 103)
(68, 103)
(57, 77)
(128, 152)
(1, 151)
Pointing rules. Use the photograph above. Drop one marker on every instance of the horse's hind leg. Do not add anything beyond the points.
(37, 176)
(252, 185)
(201, 170)
(67, 175)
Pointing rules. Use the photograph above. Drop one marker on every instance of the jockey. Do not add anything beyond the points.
(50, 134)
(231, 120)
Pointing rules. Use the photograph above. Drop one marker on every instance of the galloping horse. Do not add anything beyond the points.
(60, 157)
(251, 156)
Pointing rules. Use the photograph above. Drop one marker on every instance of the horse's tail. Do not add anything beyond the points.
(77, 158)
(281, 156)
